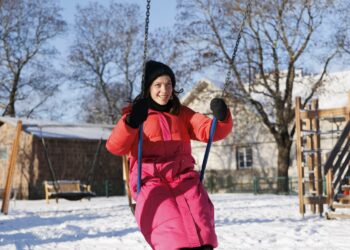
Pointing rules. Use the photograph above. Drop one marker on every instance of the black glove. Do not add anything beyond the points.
(139, 113)
(219, 108)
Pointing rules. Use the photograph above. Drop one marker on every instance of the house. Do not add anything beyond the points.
(234, 161)
(250, 150)
(75, 151)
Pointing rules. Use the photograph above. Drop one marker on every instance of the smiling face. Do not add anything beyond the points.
(161, 89)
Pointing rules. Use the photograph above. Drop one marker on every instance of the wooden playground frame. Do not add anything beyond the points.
(319, 183)
(11, 169)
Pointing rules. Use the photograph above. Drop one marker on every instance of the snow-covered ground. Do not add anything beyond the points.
(243, 221)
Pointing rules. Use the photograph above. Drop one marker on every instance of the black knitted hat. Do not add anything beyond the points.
(155, 69)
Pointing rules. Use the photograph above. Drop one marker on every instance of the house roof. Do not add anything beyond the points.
(51, 129)
(197, 89)
(333, 94)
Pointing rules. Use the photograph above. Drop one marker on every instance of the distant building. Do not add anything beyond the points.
(72, 151)
(250, 150)
(241, 156)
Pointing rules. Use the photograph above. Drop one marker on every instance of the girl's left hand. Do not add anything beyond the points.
(219, 108)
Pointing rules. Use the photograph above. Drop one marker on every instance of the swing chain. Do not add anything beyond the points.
(214, 122)
(229, 72)
(145, 43)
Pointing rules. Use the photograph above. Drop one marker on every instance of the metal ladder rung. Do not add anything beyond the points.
(306, 179)
(318, 132)
(309, 132)
(311, 151)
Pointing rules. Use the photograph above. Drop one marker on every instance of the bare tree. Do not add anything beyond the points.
(344, 39)
(279, 38)
(27, 78)
(106, 57)
(163, 47)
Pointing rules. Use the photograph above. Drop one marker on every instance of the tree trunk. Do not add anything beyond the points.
(283, 162)
(10, 109)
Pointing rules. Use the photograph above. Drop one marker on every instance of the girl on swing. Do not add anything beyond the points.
(173, 209)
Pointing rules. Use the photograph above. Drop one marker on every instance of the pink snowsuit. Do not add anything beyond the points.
(173, 209)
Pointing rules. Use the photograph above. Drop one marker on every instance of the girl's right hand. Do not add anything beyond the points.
(139, 113)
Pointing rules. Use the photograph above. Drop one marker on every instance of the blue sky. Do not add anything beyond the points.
(162, 11)
(162, 14)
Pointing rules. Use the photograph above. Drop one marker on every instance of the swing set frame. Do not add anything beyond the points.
(71, 190)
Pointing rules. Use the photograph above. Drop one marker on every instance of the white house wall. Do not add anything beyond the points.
(247, 131)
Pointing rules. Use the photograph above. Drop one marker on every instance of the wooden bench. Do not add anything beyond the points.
(64, 186)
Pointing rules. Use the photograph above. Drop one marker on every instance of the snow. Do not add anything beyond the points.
(243, 221)
(54, 129)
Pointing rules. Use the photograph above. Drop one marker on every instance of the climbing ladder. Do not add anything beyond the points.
(308, 149)
(322, 184)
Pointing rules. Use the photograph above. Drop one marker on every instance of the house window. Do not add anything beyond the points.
(244, 157)
(3, 154)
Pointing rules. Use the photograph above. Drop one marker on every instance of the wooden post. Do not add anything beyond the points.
(126, 181)
(347, 116)
(11, 169)
(298, 126)
(330, 192)
(317, 156)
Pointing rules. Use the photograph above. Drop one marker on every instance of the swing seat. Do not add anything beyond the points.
(72, 196)
(69, 190)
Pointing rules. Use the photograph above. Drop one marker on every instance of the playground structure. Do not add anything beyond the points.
(323, 183)
(11, 169)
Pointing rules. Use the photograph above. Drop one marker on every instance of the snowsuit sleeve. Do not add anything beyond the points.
(122, 138)
(198, 125)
